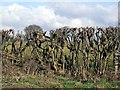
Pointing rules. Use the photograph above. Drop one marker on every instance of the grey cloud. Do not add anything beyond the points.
(54, 15)
(99, 13)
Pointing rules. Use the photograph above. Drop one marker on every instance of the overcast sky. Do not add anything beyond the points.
(51, 15)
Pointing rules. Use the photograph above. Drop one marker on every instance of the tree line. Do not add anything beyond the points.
(85, 53)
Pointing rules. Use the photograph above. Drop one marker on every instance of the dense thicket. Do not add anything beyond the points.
(85, 53)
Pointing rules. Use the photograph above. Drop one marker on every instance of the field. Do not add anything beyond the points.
(69, 58)
(55, 82)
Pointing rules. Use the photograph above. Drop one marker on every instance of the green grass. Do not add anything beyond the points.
(69, 84)
(28, 81)
(116, 84)
(88, 85)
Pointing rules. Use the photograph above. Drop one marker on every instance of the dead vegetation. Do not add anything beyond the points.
(85, 54)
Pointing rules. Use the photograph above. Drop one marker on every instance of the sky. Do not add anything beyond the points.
(52, 15)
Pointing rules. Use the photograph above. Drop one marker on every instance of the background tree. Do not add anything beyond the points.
(31, 29)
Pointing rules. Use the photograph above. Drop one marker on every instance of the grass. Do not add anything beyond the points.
(29, 81)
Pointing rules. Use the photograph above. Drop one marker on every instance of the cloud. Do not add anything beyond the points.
(56, 15)
(99, 13)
